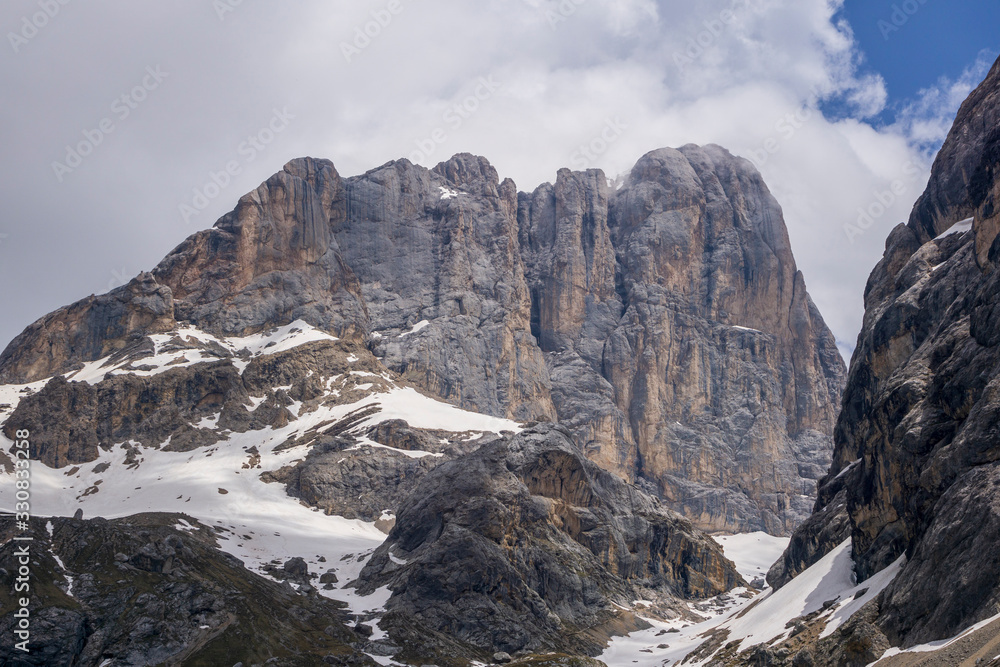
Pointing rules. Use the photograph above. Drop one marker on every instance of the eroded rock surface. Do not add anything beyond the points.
(664, 322)
(524, 544)
(361, 480)
(919, 434)
(138, 591)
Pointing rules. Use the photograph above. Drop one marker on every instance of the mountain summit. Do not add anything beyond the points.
(663, 322)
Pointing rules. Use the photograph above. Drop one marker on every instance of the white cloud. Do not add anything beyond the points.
(926, 120)
(747, 74)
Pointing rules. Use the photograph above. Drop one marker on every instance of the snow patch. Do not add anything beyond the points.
(806, 593)
(256, 522)
(255, 402)
(416, 327)
(761, 619)
(184, 526)
(411, 453)
(958, 228)
(940, 644)
(62, 566)
(423, 412)
(167, 355)
(209, 422)
(753, 553)
(11, 395)
(852, 600)
(847, 468)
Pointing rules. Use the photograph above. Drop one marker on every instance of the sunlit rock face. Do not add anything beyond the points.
(664, 322)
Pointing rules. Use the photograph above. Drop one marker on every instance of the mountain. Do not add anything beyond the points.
(518, 545)
(153, 588)
(664, 322)
(916, 468)
(482, 421)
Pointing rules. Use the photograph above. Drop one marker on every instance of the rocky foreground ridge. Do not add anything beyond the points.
(146, 590)
(525, 545)
(664, 323)
(916, 470)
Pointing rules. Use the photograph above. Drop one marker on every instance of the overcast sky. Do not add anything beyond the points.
(115, 115)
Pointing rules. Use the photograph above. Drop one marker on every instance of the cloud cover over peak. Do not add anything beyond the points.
(534, 85)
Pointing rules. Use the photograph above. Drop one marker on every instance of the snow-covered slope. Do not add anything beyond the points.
(222, 486)
(828, 587)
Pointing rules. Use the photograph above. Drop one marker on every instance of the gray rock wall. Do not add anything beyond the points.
(918, 439)
(665, 323)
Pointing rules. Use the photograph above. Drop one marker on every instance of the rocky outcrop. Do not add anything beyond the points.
(361, 480)
(918, 434)
(687, 352)
(664, 322)
(181, 407)
(139, 591)
(525, 545)
(95, 327)
(964, 173)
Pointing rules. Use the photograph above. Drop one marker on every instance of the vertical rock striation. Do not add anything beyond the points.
(683, 347)
(917, 462)
(665, 323)
(440, 248)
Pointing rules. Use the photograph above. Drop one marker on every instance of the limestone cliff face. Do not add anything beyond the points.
(917, 459)
(665, 322)
(273, 260)
(683, 349)
(672, 310)
(436, 254)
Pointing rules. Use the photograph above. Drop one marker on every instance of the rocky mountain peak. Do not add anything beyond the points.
(272, 260)
(916, 464)
(664, 322)
(963, 172)
(469, 172)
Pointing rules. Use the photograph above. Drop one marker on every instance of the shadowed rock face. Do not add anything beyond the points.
(139, 591)
(918, 439)
(665, 322)
(525, 544)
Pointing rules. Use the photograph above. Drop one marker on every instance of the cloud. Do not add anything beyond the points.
(926, 120)
(373, 81)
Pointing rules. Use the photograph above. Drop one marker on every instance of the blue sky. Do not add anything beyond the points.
(912, 44)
